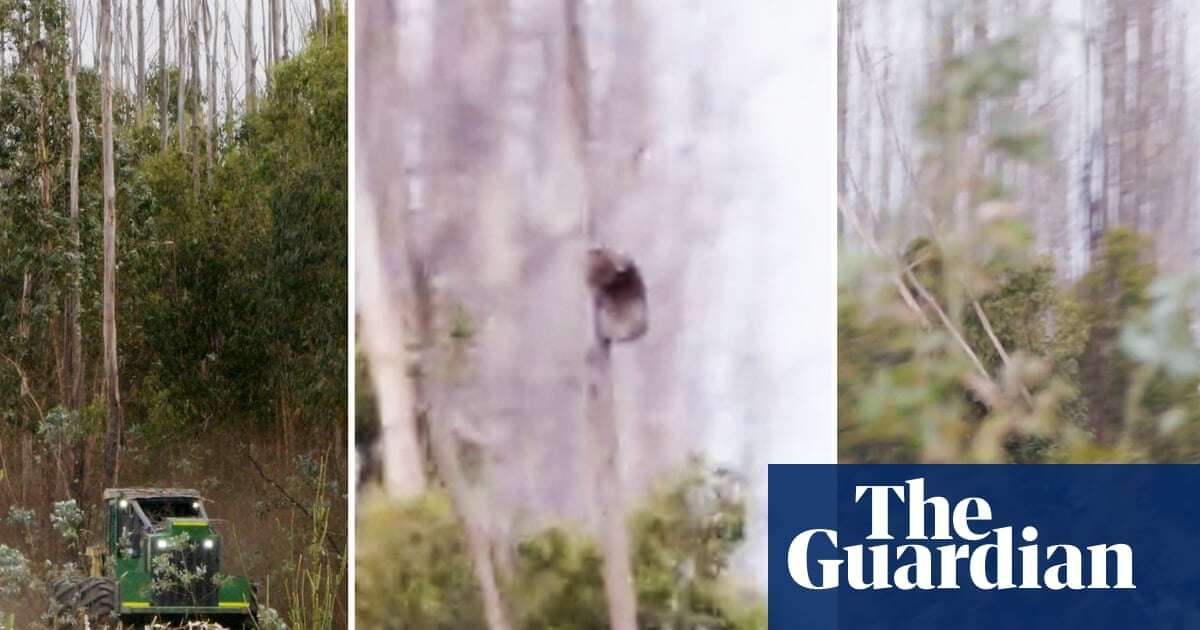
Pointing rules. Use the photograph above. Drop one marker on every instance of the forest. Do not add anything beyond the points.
(173, 285)
(1020, 234)
(584, 258)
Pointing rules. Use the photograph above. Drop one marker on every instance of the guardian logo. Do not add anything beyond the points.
(914, 547)
(958, 541)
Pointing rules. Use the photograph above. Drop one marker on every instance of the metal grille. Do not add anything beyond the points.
(202, 588)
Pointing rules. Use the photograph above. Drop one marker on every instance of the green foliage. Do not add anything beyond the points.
(66, 518)
(413, 570)
(14, 571)
(967, 347)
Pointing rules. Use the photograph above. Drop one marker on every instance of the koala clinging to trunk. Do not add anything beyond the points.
(618, 295)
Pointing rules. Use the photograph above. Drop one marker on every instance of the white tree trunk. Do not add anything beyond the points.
(114, 428)
(211, 33)
(73, 350)
(163, 85)
(182, 65)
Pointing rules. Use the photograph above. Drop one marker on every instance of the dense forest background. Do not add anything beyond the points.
(229, 206)
(534, 459)
(1020, 231)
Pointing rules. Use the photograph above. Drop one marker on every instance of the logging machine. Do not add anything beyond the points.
(160, 562)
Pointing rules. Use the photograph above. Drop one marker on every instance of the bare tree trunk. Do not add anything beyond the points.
(163, 83)
(250, 72)
(283, 10)
(141, 54)
(228, 73)
(1125, 161)
(72, 338)
(319, 16)
(385, 344)
(843, 46)
(115, 421)
(197, 83)
(117, 47)
(212, 28)
(268, 33)
(601, 418)
(182, 65)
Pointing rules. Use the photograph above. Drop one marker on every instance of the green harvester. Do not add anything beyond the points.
(160, 562)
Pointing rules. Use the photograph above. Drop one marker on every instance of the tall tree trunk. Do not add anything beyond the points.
(601, 419)
(163, 83)
(72, 337)
(197, 83)
(843, 48)
(115, 421)
(141, 54)
(228, 73)
(319, 15)
(283, 10)
(212, 29)
(182, 65)
(250, 71)
(268, 41)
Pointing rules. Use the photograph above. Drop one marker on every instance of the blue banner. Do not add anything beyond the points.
(984, 547)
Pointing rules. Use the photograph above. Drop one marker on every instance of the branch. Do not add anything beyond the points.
(333, 548)
(25, 389)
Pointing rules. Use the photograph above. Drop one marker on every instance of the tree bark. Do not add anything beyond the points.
(197, 83)
(250, 72)
(163, 83)
(211, 32)
(141, 53)
(72, 337)
(319, 15)
(182, 65)
(601, 419)
(228, 73)
(283, 10)
(115, 420)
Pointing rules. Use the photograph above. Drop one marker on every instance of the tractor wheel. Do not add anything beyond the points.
(62, 594)
(94, 597)
(98, 596)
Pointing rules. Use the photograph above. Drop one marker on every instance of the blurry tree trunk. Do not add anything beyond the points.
(319, 15)
(112, 438)
(1120, 90)
(211, 33)
(197, 84)
(268, 55)
(283, 10)
(276, 42)
(141, 54)
(385, 343)
(1143, 99)
(250, 73)
(72, 339)
(228, 73)
(182, 65)
(602, 181)
(843, 85)
(163, 82)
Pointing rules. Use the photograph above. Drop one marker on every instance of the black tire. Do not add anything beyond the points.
(62, 595)
(96, 597)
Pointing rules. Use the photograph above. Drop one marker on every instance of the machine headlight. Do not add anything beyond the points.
(195, 505)
(123, 504)
(163, 543)
(208, 543)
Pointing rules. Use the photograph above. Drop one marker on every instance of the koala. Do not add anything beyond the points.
(618, 294)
